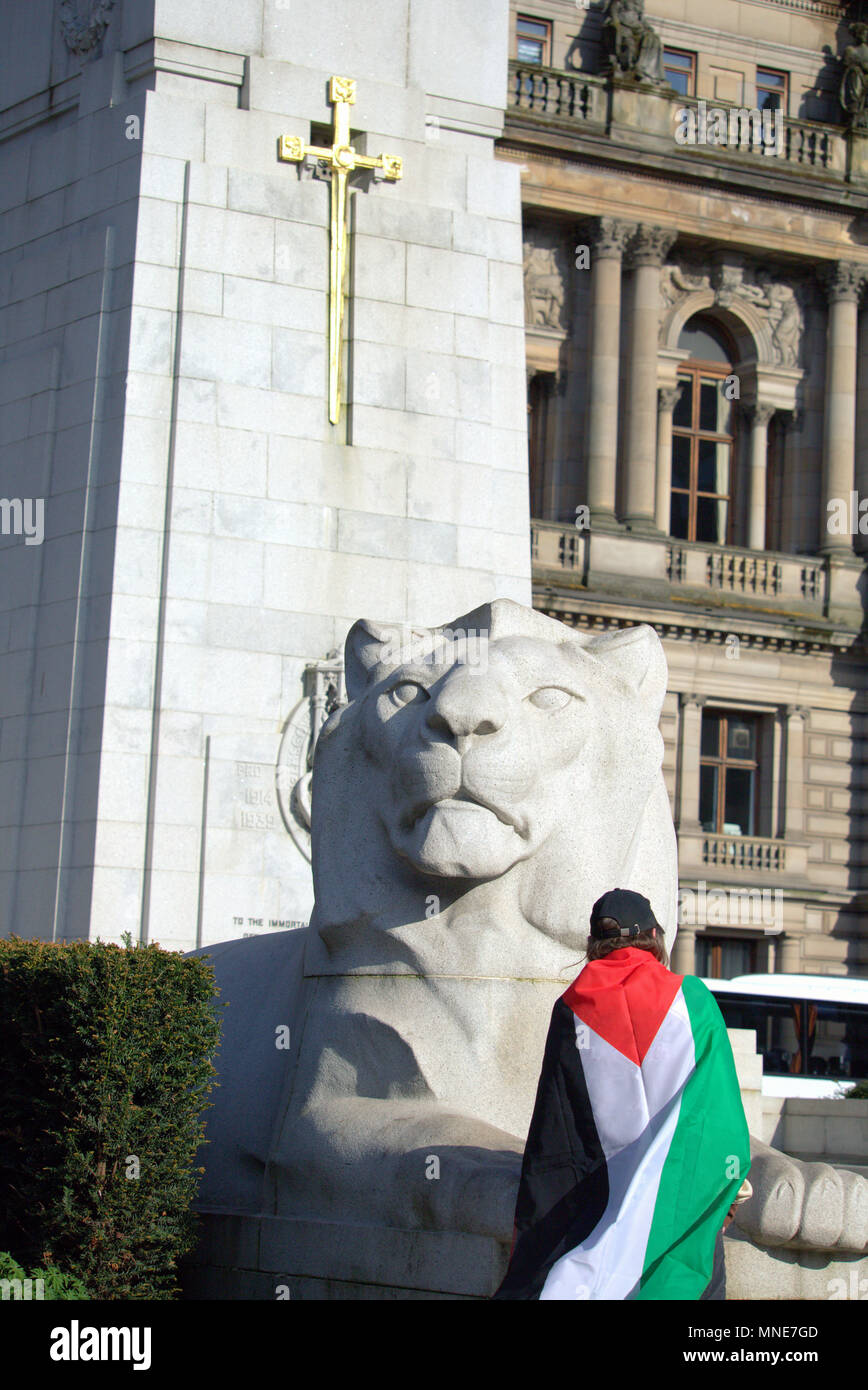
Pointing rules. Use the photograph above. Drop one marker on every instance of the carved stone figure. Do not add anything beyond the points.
(83, 23)
(675, 283)
(728, 279)
(484, 784)
(734, 284)
(631, 46)
(853, 91)
(323, 692)
(785, 321)
(543, 287)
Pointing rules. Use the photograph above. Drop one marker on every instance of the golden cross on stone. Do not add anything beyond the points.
(341, 159)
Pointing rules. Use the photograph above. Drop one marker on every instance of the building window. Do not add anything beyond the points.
(775, 485)
(533, 41)
(702, 440)
(679, 70)
(771, 90)
(723, 958)
(729, 773)
(538, 395)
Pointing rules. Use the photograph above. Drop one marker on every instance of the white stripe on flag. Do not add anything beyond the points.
(635, 1112)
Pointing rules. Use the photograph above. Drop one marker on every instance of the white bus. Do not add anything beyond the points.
(812, 1030)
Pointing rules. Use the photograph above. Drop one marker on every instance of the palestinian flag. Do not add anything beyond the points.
(638, 1142)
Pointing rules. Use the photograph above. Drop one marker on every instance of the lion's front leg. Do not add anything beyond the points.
(401, 1163)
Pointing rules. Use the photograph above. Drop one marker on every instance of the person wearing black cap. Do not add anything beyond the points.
(622, 918)
(638, 1147)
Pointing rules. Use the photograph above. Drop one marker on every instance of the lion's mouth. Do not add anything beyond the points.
(462, 801)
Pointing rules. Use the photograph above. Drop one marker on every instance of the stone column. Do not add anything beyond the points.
(688, 781)
(759, 416)
(794, 810)
(789, 955)
(683, 960)
(607, 239)
(843, 281)
(667, 401)
(647, 254)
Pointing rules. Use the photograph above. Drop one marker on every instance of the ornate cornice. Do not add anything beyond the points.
(825, 9)
(836, 642)
(687, 182)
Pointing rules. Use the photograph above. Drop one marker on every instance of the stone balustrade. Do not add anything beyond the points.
(806, 586)
(580, 98)
(746, 574)
(808, 144)
(751, 853)
(746, 860)
(793, 580)
(794, 584)
(557, 95)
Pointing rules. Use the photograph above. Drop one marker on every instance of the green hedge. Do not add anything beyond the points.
(105, 1066)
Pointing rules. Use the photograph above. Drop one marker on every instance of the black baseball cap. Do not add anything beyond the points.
(630, 910)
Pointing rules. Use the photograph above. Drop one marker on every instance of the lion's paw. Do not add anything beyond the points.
(808, 1205)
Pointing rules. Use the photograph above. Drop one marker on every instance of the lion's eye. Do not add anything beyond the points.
(550, 697)
(407, 693)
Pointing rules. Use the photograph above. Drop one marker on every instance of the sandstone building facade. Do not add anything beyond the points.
(697, 362)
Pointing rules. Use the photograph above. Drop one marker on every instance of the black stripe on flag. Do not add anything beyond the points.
(564, 1183)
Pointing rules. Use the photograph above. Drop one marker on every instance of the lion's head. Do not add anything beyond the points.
(486, 782)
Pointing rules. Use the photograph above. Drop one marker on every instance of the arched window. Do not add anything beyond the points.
(702, 438)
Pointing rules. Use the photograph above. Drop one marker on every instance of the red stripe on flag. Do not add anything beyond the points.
(624, 998)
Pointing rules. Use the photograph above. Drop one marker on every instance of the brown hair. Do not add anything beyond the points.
(645, 941)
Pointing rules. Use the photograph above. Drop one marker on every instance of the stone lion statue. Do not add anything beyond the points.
(484, 784)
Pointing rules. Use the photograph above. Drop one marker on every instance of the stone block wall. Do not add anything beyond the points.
(209, 533)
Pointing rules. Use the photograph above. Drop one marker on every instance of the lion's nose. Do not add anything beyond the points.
(462, 708)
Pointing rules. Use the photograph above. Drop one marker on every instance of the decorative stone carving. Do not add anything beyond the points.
(668, 397)
(83, 23)
(461, 833)
(853, 91)
(843, 280)
(675, 283)
(608, 237)
(484, 784)
(786, 321)
(759, 414)
(735, 284)
(802, 712)
(323, 684)
(728, 279)
(545, 280)
(651, 245)
(630, 44)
